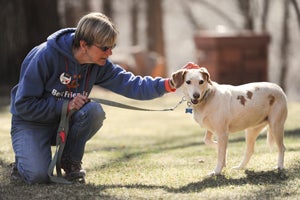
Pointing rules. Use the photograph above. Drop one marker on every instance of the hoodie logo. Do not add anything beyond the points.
(65, 78)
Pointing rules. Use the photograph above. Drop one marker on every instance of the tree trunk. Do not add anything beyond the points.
(74, 10)
(155, 33)
(107, 8)
(264, 18)
(285, 41)
(246, 8)
(134, 22)
(155, 27)
(297, 10)
(26, 24)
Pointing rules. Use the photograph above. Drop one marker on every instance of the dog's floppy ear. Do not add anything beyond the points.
(204, 71)
(177, 78)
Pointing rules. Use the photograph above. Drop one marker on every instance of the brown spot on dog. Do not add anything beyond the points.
(249, 95)
(271, 99)
(242, 99)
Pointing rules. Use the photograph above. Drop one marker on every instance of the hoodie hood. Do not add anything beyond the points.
(62, 41)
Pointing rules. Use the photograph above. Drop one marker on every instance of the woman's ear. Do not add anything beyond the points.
(83, 45)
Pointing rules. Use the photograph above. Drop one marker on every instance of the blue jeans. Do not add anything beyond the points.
(32, 143)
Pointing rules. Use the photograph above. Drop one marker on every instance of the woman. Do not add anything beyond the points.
(64, 69)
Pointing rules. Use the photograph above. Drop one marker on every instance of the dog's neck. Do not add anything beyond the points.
(205, 96)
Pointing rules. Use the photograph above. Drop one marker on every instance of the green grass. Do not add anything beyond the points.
(161, 155)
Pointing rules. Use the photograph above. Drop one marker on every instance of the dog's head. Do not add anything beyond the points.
(195, 82)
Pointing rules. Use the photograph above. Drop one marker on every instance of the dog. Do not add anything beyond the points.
(223, 109)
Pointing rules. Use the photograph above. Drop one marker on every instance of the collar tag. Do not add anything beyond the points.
(189, 110)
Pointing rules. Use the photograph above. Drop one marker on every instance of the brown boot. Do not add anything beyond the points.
(14, 173)
(73, 170)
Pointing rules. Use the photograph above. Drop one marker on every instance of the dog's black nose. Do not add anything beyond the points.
(196, 95)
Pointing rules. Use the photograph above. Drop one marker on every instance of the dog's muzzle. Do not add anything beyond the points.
(195, 99)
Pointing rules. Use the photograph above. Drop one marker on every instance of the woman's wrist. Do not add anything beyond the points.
(169, 86)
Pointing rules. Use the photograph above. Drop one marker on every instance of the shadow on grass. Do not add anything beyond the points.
(252, 177)
(292, 133)
(273, 182)
(265, 178)
(268, 179)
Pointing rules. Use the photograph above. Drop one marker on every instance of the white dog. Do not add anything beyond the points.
(224, 109)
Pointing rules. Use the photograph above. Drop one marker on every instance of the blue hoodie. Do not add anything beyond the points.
(50, 75)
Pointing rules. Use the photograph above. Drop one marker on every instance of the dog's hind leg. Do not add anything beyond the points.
(251, 135)
(277, 118)
(208, 139)
(276, 131)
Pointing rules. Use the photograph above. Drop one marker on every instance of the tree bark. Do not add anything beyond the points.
(26, 24)
(264, 18)
(155, 27)
(108, 8)
(285, 41)
(134, 22)
(297, 10)
(155, 32)
(246, 8)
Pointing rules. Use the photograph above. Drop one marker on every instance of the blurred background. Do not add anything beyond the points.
(239, 41)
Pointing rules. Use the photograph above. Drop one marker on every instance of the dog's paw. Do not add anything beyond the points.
(214, 173)
(238, 167)
(279, 169)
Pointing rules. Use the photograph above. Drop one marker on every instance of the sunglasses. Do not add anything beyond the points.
(105, 48)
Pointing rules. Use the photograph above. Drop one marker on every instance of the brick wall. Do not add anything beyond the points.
(233, 59)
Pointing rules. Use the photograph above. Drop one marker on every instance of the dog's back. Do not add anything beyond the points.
(252, 104)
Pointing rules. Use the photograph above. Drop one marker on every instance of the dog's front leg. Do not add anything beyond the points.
(222, 151)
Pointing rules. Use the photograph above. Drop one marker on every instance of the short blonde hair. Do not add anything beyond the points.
(95, 28)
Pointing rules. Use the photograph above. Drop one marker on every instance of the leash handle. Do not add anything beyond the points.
(61, 138)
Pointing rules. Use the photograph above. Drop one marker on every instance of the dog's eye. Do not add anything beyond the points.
(188, 82)
(201, 82)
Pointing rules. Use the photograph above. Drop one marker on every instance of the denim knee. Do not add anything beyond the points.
(89, 119)
(34, 176)
(97, 115)
(31, 144)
